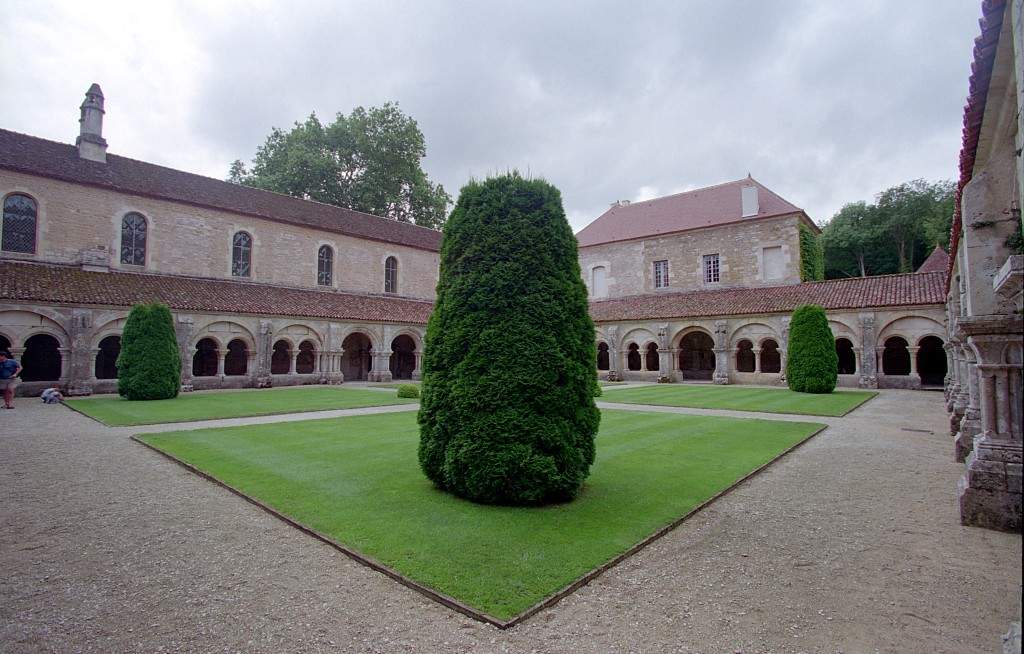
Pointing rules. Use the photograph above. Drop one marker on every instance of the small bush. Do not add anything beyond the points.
(408, 390)
(149, 366)
(812, 365)
(598, 392)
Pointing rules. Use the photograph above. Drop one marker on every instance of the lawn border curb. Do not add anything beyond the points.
(451, 602)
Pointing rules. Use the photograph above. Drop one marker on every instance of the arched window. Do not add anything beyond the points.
(241, 255)
(391, 275)
(356, 362)
(19, 226)
(931, 361)
(403, 357)
(745, 356)
(305, 360)
(895, 357)
(771, 361)
(633, 357)
(41, 361)
(325, 266)
(204, 361)
(602, 356)
(847, 359)
(599, 281)
(106, 358)
(236, 361)
(281, 358)
(651, 356)
(133, 239)
(697, 356)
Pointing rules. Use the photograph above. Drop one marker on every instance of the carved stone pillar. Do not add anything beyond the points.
(615, 361)
(264, 352)
(757, 358)
(664, 355)
(784, 351)
(183, 327)
(417, 371)
(990, 490)
(869, 342)
(967, 407)
(78, 363)
(380, 370)
(721, 375)
(222, 355)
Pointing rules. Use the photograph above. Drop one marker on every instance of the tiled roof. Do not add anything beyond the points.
(854, 293)
(36, 156)
(705, 207)
(985, 46)
(42, 283)
(937, 261)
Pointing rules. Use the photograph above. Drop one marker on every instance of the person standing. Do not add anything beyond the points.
(9, 371)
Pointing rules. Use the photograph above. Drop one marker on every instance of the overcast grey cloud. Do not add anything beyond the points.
(824, 102)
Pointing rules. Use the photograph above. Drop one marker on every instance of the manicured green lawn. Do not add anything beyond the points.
(742, 398)
(117, 411)
(357, 480)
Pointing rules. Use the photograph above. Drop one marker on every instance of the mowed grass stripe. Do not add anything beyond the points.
(742, 398)
(117, 411)
(357, 481)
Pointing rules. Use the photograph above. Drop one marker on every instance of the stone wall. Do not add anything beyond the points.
(740, 246)
(186, 240)
(79, 330)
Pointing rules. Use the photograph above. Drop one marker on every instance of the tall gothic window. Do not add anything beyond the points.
(391, 275)
(325, 266)
(241, 255)
(133, 239)
(19, 226)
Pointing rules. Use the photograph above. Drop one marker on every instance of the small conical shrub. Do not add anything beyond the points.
(509, 371)
(149, 366)
(812, 365)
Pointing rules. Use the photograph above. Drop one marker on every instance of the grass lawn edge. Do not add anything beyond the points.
(872, 394)
(453, 603)
(411, 401)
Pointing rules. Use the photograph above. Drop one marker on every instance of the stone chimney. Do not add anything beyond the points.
(620, 203)
(90, 142)
(750, 205)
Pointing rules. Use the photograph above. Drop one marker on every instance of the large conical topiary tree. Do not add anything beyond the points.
(812, 365)
(508, 414)
(149, 366)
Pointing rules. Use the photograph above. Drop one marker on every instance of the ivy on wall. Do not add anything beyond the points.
(812, 259)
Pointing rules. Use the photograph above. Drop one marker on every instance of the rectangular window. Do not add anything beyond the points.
(711, 270)
(773, 265)
(661, 274)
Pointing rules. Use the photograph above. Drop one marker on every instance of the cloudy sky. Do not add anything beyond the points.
(824, 102)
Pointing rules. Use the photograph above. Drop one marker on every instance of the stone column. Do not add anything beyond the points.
(615, 367)
(293, 355)
(915, 379)
(183, 326)
(721, 374)
(417, 371)
(221, 356)
(664, 355)
(953, 377)
(65, 363)
(757, 359)
(783, 351)
(77, 368)
(867, 366)
(264, 352)
(316, 361)
(380, 370)
(990, 490)
(967, 407)
(857, 365)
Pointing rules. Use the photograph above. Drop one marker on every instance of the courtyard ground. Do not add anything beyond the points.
(357, 480)
(851, 543)
(741, 398)
(211, 405)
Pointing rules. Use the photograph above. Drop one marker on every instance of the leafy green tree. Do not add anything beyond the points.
(369, 161)
(850, 239)
(149, 365)
(812, 365)
(508, 413)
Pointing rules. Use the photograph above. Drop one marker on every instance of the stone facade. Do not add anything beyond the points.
(79, 223)
(740, 246)
(984, 305)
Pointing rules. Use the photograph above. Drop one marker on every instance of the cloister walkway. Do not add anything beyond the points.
(849, 543)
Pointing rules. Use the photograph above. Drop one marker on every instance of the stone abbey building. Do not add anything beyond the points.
(272, 290)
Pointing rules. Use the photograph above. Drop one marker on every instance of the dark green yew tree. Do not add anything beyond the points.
(508, 414)
(149, 366)
(812, 365)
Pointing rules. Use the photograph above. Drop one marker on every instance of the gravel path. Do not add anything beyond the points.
(849, 544)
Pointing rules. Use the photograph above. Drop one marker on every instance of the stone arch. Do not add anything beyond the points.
(633, 360)
(108, 348)
(297, 332)
(113, 327)
(204, 360)
(745, 360)
(305, 357)
(223, 332)
(771, 358)
(638, 335)
(236, 359)
(356, 362)
(754, 332)
(931, 361)
(895, 356)
(841, 329)
(847, 357)
(403, 356)
(20, 325)
(651, 356)
(697, 355)
(910, 328)
(42, 359)
(281, 356)
(603, 356)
